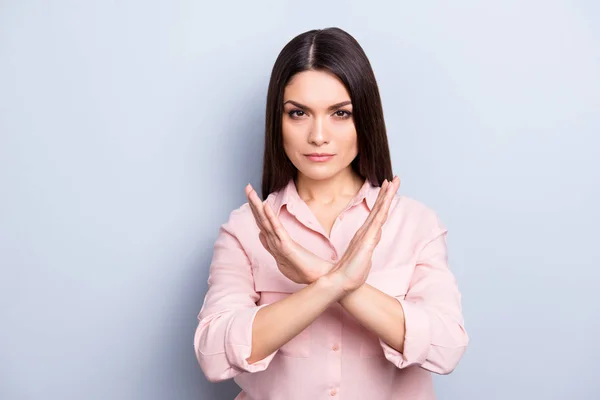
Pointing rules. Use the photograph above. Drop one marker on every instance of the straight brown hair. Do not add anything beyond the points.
(335, 51)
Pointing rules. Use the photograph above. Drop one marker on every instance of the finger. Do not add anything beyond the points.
(384, 193)
(265, 219)
(381, 214)
(394, 189)
(391, 190)
(389, 194)
(259, 212)
(365, 226)
(387, 200)
(254, 202)
(263, 240)
(257, 207)
(377, 204)
(253, 210)
(278, 228)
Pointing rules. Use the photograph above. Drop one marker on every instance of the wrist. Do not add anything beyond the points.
(339, 283)
(323, 269)
(332, 283)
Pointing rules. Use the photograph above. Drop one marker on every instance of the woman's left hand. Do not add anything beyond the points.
(294, 261)
(352, 270)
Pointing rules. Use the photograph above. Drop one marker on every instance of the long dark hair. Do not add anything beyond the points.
(335, 51)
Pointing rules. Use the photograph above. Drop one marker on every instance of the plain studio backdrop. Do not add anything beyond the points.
(128, 130)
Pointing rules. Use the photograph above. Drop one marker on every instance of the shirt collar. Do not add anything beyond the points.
(289, 196)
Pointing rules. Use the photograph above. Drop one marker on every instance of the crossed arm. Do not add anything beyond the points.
(328, 283)
(423, 327)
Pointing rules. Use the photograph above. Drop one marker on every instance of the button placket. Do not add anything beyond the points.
(334, 359)
(336, 221)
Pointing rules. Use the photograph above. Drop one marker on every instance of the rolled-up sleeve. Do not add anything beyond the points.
(223, 337)
(434, 337)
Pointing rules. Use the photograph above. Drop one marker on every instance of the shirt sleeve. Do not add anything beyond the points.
(223, 337)
(435, 337)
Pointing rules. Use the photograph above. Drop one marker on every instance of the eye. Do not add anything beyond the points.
(296, 113)
(343, 114)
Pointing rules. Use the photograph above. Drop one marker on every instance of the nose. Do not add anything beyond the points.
(317, 135)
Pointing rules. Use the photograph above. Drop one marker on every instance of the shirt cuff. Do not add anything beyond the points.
(417, 337)
(238, 341)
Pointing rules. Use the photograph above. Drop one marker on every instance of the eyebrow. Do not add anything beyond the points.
(330, 108)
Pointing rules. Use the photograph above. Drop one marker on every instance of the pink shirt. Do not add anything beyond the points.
(335, 357)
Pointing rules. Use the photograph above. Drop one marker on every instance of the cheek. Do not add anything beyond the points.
(294, 131)
(291, 139)
(349, 140)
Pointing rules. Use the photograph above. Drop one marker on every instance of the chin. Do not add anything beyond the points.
(319, 173)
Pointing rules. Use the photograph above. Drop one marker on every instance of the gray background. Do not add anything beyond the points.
(128, 130)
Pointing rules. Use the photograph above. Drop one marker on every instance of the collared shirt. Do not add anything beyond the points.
(334, 357)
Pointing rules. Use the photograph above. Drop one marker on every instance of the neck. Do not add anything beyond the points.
(342, 186)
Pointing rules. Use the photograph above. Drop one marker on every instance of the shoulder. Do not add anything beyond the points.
(242, 216)
(241, 222)
(240, 227)
(413, 207)
(240, 219)
(423, 219)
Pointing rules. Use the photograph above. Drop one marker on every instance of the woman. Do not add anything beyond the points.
(335, 286)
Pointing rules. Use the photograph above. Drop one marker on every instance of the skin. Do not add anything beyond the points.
(311, 125)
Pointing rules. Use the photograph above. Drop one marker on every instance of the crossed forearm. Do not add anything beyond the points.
(279, 322)
(378, 312)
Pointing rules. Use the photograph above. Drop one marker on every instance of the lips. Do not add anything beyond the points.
(319, 157)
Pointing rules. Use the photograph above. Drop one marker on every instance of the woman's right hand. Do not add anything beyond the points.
(353, 268)
(293, 260)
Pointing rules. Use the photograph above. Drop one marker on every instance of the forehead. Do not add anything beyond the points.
(317, 88)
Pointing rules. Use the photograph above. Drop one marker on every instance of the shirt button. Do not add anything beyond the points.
(333, 257)
(341, 217)
(332, 392)
(336, 347)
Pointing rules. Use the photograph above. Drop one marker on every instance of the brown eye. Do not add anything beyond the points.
(343, 114)
(296, 113)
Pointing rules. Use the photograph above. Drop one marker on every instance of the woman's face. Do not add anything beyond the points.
(317, 120)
